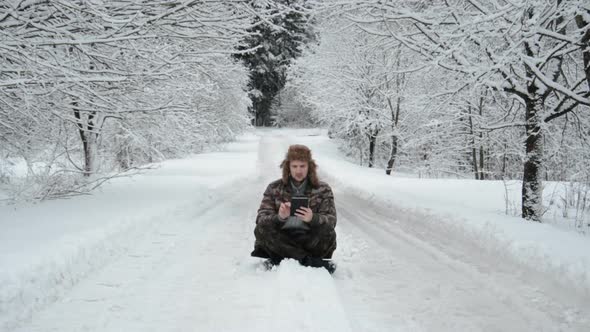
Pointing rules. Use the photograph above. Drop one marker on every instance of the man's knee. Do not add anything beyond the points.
(326, 233)
(329, 243)
(263, 230)
(329, 250)
(322, 243)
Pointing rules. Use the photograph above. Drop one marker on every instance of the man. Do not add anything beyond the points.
(309, 236)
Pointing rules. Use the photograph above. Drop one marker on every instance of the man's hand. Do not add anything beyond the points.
(304, 213)
(284, 210)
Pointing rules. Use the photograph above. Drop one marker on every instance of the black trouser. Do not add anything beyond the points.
(318, 242)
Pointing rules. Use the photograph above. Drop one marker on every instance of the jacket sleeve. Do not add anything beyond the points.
(326, 214)
(267, 212)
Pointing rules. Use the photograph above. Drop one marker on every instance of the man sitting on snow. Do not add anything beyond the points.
(309, 236)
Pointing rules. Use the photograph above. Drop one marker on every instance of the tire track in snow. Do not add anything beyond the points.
(428, 278)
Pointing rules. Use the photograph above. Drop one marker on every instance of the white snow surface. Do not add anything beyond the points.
(168, 250)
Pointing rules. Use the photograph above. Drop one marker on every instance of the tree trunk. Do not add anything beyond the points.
(87, 137)
(504, 157)
(482, 174)
(392, 156)
(123, 156)
(580, 22)
(394, 121)
(474, 162)
(532, 187)
(473, 148)
(372, 143)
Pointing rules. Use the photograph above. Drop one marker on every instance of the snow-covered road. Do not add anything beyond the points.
(404, 274)
(192, 273)
(398, 271)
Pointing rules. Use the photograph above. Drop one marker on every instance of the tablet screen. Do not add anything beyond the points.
(297, 202)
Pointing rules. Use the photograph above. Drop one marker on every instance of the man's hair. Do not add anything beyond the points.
(301, 153)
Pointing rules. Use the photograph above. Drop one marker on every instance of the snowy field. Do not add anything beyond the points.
(169, 251)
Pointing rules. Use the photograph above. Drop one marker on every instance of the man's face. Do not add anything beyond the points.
(298, 169)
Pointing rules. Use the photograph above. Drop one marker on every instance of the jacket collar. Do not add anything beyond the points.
(308, 187)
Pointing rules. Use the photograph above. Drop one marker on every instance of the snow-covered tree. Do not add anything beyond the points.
(358, 88)
(533, 51)
(87, 82)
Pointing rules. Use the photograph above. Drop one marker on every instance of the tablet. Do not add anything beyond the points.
(297, 202)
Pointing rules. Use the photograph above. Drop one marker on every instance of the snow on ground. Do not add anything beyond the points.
(167, 251)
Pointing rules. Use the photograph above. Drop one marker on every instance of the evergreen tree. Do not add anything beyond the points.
(274, 42)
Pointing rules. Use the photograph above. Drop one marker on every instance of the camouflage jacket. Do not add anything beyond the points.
(321, 202)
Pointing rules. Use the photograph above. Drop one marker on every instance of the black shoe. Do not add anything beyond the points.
(330, 266)
(318, 262)
(259, 252)
(311, 261)
(269, 263)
